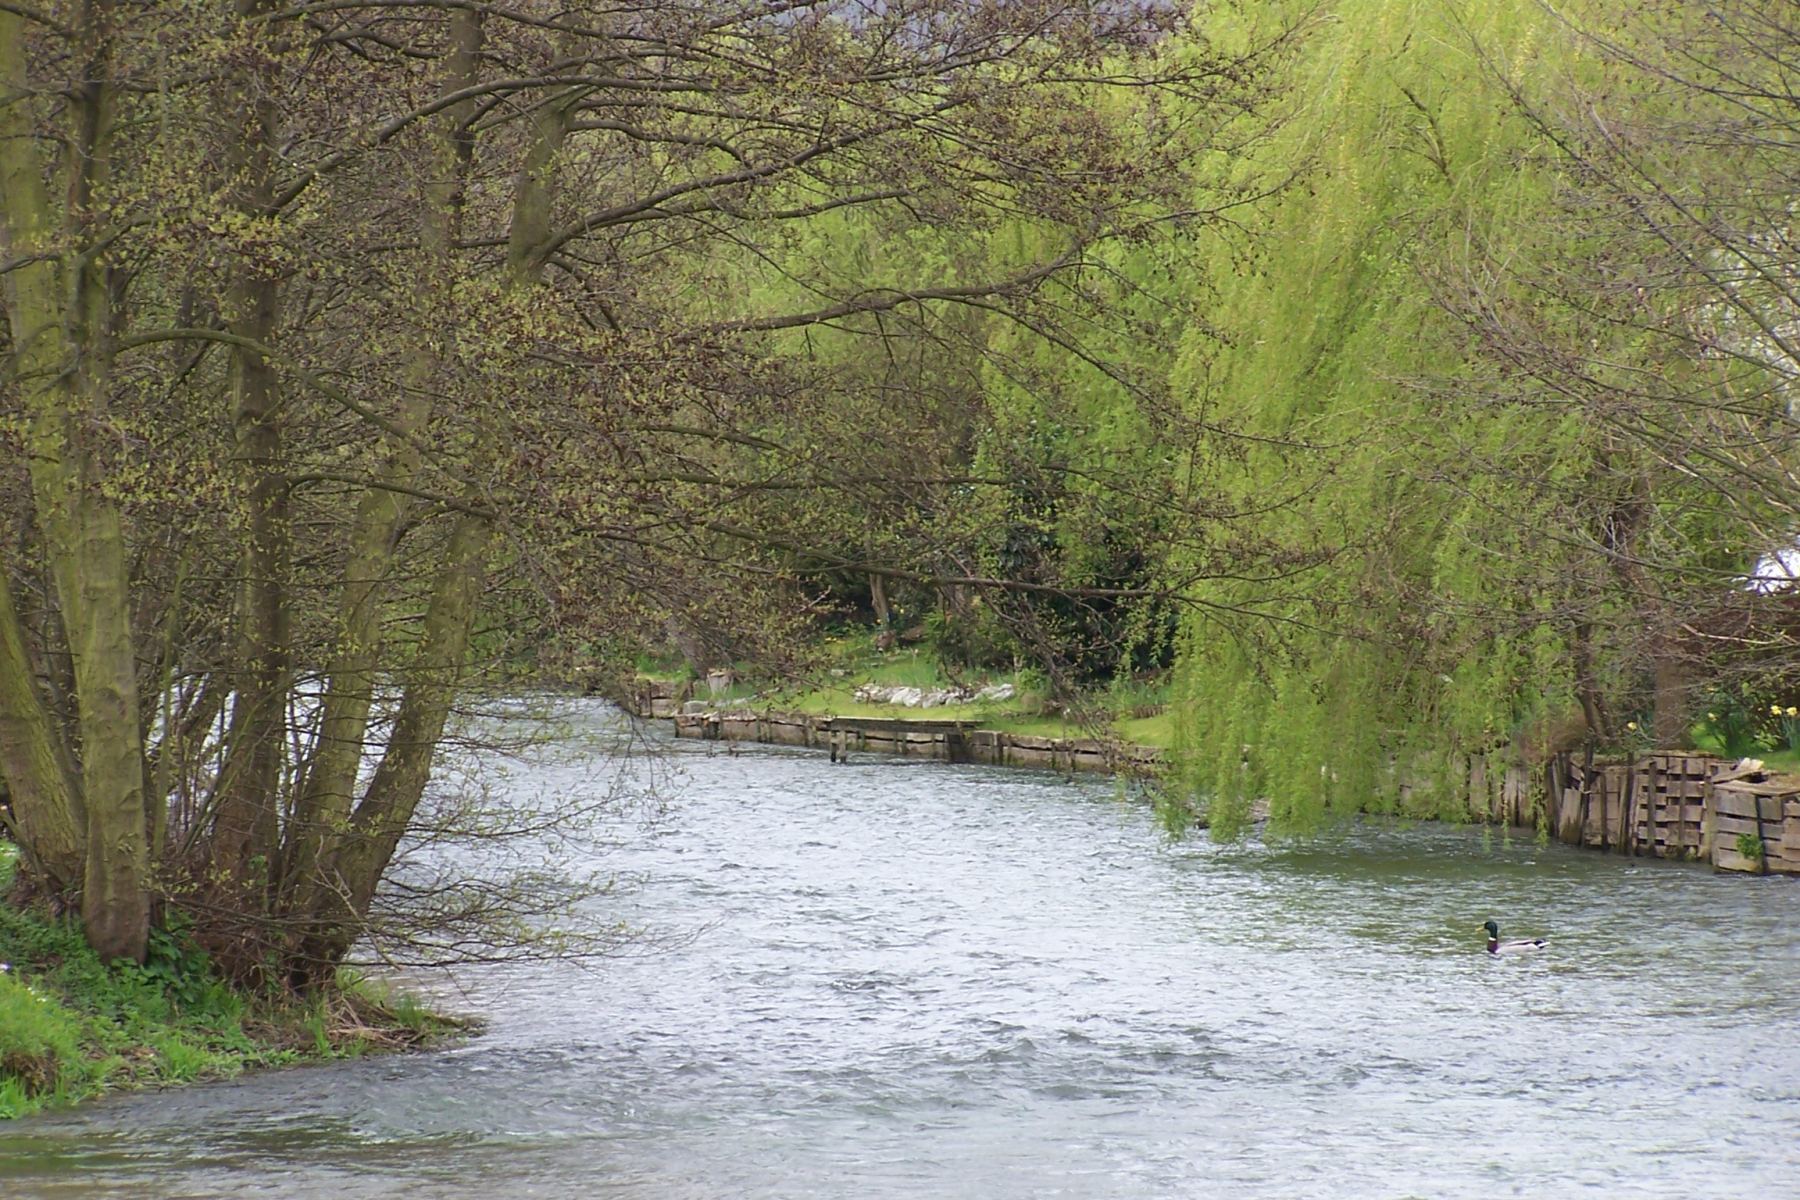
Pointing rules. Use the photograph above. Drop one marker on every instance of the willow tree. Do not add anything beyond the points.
(1659, 301)
(1476, 348)
(333, 328)
(1404, 618)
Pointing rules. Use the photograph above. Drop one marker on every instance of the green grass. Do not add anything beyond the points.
(665, 669)
(1132, 713)
(1775, 759)
(72, 1027)
(1158, 731)
(1781, 760)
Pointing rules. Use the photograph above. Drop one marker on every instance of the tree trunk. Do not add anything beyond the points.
(338, 891)
(878, 601)
(1671, 719)
(59, 307)
(46, 818)
(246, 817)
(399, 782)
(327, 793)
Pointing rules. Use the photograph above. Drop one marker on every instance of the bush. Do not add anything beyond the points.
(1737, 723)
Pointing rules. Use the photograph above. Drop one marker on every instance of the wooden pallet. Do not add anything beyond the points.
(1766, 809)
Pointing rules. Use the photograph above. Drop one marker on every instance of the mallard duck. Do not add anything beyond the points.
(1496, 946)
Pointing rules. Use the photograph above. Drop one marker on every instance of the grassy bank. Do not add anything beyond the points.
(1130, 712)
(72, 1027)
(1135, 711)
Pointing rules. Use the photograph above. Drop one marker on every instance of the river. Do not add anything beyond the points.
(908, 979)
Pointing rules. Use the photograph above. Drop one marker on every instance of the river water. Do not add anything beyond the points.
(903, 979)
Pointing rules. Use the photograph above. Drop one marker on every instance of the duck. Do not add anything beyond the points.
(1522, 946)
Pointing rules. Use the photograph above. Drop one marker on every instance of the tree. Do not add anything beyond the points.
(1660, 304)
(333, 327)
(1519, 351)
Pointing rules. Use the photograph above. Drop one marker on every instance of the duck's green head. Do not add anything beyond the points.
(1493, 931)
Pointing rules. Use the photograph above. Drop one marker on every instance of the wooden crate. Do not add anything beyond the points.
(1670, 791)
(1767, 808)
(1691, 806)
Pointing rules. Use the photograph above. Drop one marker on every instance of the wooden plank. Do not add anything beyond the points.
(1629, 837)
(1610, 819)
(1685, 814)
(1568, 817)
(1730, 827)
(1726, 858)
(1741, 800)
(1769, 808)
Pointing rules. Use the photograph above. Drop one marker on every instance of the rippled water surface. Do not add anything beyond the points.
(922, 980)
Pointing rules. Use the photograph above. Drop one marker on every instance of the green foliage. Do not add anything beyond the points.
(1751, 847)
(1418, 517)
(1740, 719)
(1313, 370)
(1788, 717)
(661, 666)
(969, 641)
(72, 1026)
(41, 1046)
(316, 1022)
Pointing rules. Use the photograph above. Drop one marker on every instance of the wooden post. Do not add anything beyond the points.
(1553, 795)
(1695, 779)
(1628, 812)
(1761, 839)
(1653, 803)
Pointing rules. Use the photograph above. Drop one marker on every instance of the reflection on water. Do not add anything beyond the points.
(920, 980)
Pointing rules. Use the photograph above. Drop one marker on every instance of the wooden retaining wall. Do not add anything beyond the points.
(1653, 805)
(949, 740)
(658, 697)
(1666, 805)
(1675, 805)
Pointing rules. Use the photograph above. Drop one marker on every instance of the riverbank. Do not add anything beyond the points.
(855, 677)
(1735, 816)
(72, 1027)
